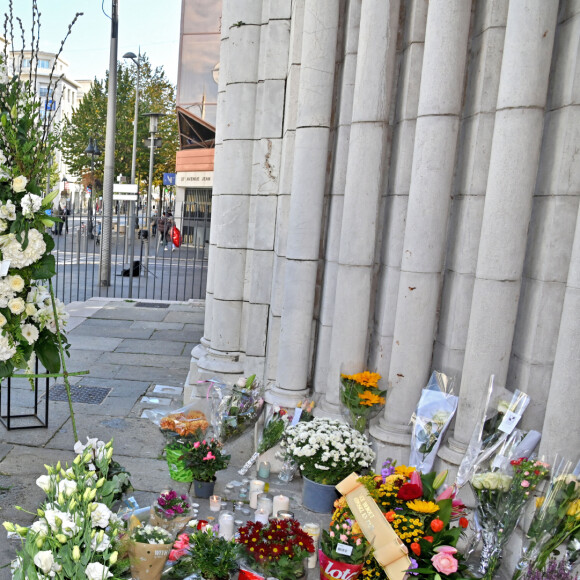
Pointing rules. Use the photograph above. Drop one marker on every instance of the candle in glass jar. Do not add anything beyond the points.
(261, 515)
(215, 503)
(256, 488)
(265, 501)
(264, 469)
(313, 530)
(280, 503)
(226, 525)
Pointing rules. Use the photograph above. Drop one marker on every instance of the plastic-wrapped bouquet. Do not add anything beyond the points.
(170, 511)
(274, 426)
(236, 409)
(361, 399)
(554, 571)
(502, 497)
(434, 412)
(147, 563)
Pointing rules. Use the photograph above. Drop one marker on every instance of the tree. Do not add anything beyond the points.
(157, 95)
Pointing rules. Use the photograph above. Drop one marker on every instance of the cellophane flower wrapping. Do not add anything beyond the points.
(502, 494)
(556, 518)
(236, 409)
(432, 416)
(502, 411)
(276, 421)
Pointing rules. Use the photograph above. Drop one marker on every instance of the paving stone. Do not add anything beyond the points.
(145, 325)
(103, 328)
(144, 360)
(84, 342)
(154, 374)
(182, 336)
(187, 317)
(132, 314)
(151, 346)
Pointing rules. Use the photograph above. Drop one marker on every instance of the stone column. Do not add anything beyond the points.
(561, 430)
(367, 162)
(336, 197)
(551, 231)
(424, 245)
(512, 174)
(232, 191)
(309, 179)
(470, 183)
(399, 182)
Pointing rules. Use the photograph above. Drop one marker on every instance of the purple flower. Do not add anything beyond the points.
(554, 571)
(413, 565)
(170, 513)
(388, 469)
(178, 509)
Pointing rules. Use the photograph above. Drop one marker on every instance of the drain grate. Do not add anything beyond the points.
(151, 305)
(80, 394)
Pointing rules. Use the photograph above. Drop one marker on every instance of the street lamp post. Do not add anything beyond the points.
(130, 226)
(94, 151)
(153, 143)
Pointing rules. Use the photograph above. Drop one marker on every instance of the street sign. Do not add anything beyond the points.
(125, 188)
(169, 179)
(156, 143)
(125, 197)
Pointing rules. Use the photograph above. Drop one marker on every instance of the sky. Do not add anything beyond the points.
(152, 25)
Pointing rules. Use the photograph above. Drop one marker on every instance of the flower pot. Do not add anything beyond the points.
(177, 469)
(203, 489)
(318, 497)
(331, 569)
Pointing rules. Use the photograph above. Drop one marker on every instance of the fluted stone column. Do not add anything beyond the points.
(232, 191)
(399, 182)
(424, 246)
(470, 183)
(551, 231)
(309, 178)
(561, 430)
(367, 160)
(336, 197)
(513, 168)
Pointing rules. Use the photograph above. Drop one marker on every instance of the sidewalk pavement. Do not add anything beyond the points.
(139, 353)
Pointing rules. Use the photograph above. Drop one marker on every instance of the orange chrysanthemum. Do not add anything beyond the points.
(369, 399)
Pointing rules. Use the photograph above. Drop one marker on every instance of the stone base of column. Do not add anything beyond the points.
(328, 410)
(392, 442)
(284, 397)
(207, 363)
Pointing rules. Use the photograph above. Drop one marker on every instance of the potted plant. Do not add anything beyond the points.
(204, 552)
(204, 458)
(342, 548)
(326, 452)
(277, 549)
(170, 511)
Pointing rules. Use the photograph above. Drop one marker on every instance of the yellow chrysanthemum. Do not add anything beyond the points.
(366, 378)
(574, 509)
(423, 507)
(404, 470)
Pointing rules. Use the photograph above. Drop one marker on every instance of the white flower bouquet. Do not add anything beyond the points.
(327, 450)
(76, 534)
(148, 563)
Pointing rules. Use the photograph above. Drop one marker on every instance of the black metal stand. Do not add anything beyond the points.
(24, 420)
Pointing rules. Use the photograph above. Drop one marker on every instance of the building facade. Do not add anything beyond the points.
(396, 189)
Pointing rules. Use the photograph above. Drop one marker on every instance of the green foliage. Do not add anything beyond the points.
(157, 95)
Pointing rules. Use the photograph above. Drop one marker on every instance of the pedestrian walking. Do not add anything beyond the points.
(168, 232)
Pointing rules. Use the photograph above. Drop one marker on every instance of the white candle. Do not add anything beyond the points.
(261, 515)
(281, 503)
(313, 530)
(215, 503)
(265, 501)
(256, 487)
(226, 525)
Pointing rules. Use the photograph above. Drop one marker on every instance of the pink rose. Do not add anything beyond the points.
(358, 542)
(196, 445)
(525, 483)
(209, 456)
(331, 534)
(343, 538)
(444, 563)
(446, 549)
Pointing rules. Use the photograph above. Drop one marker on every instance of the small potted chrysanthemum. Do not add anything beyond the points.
(171, 512)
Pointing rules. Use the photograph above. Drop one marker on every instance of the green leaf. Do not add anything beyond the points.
(444, 513)
(47, 352)
(48, 241)
(44, 269)
(6, 368)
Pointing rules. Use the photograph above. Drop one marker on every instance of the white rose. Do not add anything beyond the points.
(3, 320)
(16, 305)
(241, 382)
(45, 483)
(101, 516)
(16, 283)
(44, 560)
(503, 406)
(19, 183)
(30, 309)
(96, 571)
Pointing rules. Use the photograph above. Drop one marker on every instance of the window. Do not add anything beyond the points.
(43, 92)
(25, 63)
(43, 63)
